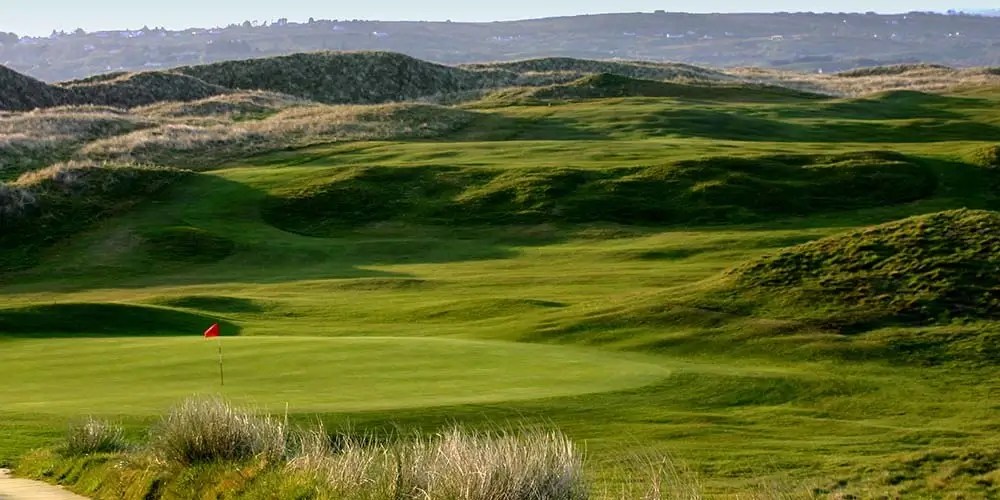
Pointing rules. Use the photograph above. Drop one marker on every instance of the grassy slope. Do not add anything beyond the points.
(729, 410)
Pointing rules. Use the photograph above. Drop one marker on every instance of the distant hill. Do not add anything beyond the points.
(804, 41)
(382, 77)
(345, 77)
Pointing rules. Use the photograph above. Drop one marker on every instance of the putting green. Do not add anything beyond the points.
(137, 376)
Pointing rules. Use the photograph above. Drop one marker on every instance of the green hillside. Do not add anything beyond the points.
(743, 291)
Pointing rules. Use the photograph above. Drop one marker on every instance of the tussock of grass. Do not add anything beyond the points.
(206, 432)
(209, 429)
(922, 270)
(94, 436)
(453, 464)
(713, 190)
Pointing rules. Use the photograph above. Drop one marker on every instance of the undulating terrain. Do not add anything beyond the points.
(781, 285)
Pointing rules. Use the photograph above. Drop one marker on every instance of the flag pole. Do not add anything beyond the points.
(222, 377)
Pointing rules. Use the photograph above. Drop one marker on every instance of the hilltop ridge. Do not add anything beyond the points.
(381, 77)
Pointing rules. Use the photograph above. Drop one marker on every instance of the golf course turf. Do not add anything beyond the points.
(525, 268)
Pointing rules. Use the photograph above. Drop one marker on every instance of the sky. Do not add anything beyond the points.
(40, 17)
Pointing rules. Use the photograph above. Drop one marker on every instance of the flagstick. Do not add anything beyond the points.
(222, 376)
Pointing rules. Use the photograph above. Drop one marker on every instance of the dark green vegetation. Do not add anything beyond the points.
(711, 190)
(771, 289)
(796, 41)
(931, 269)
(607, 85)
(44, 206)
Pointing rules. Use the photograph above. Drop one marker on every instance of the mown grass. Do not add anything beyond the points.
(741, 396)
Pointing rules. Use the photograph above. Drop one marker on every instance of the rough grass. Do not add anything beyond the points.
(454, 464)
(91, 436)
(205, 146)
(200, 430)
(564, 69)
(131, 90)
(23, 93)
(43, 206)
(608, 85)
(712, 190)
(236, 106)
(923, 270)
(867, 81)
(343, 77)
(39, 138)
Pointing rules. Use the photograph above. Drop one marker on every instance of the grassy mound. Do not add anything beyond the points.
(607, 85)
(44, 206)
(895, 69)
(101, 320)
(340, 78)
(712, 190)
(922, 270)
(237, 105)
(204, 146)
(22, 93)
(214, 303)
(574, 68)
(188, 244)
(138, 89)
(35, 139)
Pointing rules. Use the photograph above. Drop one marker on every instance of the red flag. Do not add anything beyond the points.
(213, 331)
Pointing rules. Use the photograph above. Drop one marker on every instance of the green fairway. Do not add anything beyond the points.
(569, 264)
(144, 376)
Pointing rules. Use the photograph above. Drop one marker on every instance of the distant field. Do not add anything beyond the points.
(356, 284)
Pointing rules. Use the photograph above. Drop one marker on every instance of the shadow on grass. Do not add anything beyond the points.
(96, 254)
(83, 320)
(724, 125)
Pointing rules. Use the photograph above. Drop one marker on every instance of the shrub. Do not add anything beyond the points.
(94, 436)
(207, 429)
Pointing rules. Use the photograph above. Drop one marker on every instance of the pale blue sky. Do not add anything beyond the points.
(42, 16)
